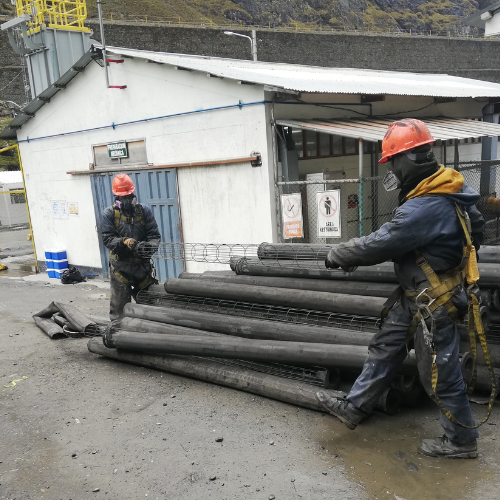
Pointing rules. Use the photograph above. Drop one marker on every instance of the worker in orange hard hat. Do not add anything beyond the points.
(130, 232)
(431, 240)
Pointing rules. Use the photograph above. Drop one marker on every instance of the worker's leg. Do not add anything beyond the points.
(450, 388)
(386, 353)
(120, 295)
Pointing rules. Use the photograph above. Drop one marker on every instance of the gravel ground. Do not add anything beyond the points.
(84, 427)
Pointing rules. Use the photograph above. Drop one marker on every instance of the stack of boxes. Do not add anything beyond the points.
(57, 262)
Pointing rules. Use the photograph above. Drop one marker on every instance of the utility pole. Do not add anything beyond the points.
(253, 41)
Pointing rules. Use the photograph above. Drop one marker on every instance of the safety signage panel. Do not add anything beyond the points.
(291, 207)
(118, 150)
(328, 205)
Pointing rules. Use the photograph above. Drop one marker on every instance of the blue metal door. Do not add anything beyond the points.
(156, 188)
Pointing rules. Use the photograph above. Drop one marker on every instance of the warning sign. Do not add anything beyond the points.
(291, 207)
(328, 205)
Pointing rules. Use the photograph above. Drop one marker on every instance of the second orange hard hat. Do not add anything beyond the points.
(122, 185)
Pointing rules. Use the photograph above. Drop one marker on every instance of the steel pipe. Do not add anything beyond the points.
(141, 325)
(236, 326)
(337, 356)
(292, 251)
(483, 381)
(331, 286)
(288, 391)
(382, 273)
(303, 299)
(489, 254)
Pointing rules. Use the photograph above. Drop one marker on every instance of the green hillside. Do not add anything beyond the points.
(378, 15)
(375, 15)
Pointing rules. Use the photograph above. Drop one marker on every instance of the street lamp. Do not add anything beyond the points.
(253, 41)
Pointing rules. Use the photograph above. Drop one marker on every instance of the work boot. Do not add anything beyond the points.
(443, 447)
(345, 411)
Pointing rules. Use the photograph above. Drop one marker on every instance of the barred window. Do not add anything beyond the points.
(16, 198)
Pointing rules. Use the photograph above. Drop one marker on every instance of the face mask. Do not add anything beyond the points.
(126, 204)
(390, 181)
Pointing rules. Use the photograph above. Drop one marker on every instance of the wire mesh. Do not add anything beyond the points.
(313, 375)
(261, 311)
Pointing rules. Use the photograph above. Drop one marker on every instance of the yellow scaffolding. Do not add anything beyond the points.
(62, 14)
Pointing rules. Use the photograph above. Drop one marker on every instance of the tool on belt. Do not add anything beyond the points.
(440, 293)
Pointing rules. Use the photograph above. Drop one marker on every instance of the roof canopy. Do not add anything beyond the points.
(373, 130)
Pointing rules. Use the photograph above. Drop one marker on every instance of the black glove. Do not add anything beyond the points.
(330, 263)
(145, 249)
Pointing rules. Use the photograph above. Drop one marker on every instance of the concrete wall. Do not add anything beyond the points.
(474, 58)
(221, 203)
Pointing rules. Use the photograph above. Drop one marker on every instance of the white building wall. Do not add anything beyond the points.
(221, 203)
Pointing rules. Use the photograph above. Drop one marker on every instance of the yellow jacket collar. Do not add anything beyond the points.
(444, 181)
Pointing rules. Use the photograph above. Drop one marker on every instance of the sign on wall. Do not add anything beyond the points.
(73, 208)
(328, 206)
(291, 207)
(118, 150)
(59, 210)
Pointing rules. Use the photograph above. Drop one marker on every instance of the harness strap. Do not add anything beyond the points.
(136, 260)
(439, 294)
(145, 282)
(139, 218)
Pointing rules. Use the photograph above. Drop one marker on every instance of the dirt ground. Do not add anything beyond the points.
(78, 426)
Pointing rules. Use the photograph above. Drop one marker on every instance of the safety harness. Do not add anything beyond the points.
(440, 293)
(138, 219)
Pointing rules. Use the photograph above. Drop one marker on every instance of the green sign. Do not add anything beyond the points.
(118, 150)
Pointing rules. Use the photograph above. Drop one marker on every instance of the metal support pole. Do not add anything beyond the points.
(488, 152)
(103, 42)
(360, 203)
(254, 45)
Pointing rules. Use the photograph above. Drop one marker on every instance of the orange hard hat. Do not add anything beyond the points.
(404, 135)
(122, 185)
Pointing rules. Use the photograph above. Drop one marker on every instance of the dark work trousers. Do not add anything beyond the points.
(387, 351)
(121, 294)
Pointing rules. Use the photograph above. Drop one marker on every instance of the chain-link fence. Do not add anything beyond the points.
(331, 211)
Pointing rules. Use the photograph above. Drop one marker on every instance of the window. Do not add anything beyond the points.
(311, 144)
(17, 198)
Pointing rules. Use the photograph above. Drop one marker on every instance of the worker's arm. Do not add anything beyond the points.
(394, 238)
(110, 236)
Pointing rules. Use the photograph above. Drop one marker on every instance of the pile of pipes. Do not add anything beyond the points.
(279, 330)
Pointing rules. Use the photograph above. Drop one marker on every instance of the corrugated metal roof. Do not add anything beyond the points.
(326, 80)
(11, 177)
(374, 129)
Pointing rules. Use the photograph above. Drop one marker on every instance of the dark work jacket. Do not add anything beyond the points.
(429, 224)
(113, 240)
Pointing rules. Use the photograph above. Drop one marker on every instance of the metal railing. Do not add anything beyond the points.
(66, 14)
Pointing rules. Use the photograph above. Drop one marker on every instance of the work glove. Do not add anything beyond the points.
(331, 264)
(145, 249)
(130, 243)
